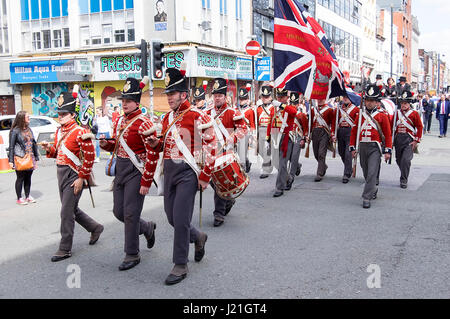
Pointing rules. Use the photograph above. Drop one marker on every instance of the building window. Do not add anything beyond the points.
(57, 39)
(96, 40)
(37, 41)
(107, 34)
(119, 36)
(84, 36)
(66, 37)
(131, 32)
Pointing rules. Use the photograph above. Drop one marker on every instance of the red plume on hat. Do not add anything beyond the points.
(248, 87)
(225, 76)
(205, 85)
(412, 93)
(183, 68)
(144, 82)
(75, 90)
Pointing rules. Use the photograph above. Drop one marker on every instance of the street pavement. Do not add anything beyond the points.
(316, 241)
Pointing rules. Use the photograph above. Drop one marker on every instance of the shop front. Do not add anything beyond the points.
(42, 82)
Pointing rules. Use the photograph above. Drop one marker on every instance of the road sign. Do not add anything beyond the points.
(253, 47)
(263, 69)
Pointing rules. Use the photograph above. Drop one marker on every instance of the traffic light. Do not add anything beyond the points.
(143, 63)
(157, 60)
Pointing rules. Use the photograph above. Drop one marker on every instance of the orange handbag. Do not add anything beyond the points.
(23, 163)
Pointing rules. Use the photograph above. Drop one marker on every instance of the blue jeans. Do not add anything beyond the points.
(97, 144)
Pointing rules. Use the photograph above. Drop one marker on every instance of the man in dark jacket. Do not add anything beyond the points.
(427, 109)
(402, 86)
(442, 114)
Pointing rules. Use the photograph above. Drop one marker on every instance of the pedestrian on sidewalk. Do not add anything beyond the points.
(74, 152)
(428, 108)
(23, 145)
(103, 130)
(442, 114)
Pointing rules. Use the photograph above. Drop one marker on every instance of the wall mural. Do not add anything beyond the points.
(85, 108)
(44, 98)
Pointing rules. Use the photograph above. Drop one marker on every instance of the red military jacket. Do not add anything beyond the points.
(348, 116)
(249, 114)
(135, 139)
(276, 119)
(196, 132)
(409, 123)
(263, 112)
(302, 119)
(328, 115)
(369, 132)
(228, 121)
(78, 141)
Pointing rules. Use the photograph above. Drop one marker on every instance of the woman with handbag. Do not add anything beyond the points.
(23, 155)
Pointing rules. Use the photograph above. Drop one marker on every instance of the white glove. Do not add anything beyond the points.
(259, 103)
(267, 146)
(276, 103)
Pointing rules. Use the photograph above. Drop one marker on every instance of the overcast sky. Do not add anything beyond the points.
(434, 25)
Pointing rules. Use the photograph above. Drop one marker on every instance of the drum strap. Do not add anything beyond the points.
(190, 160)
(219, 129)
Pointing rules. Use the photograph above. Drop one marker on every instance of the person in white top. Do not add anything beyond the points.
(103, 130)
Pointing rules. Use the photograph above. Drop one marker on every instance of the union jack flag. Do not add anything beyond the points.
(303, 58)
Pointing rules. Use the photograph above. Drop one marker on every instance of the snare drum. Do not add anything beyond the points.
(228, 176)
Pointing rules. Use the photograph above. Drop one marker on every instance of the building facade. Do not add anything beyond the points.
(93, 43)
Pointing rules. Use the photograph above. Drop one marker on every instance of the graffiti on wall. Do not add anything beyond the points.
(44, 98)
(85, 108)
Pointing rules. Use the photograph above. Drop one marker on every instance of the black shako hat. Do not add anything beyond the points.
(175, 81)
(266, 90)
(373, 92)
(282, 92)
(131, 90)
(379, 77)
(402, 79)
(220, 86)
(243, 94)
(199, 93)
(294, 98)
(407, 96)
(66, 103)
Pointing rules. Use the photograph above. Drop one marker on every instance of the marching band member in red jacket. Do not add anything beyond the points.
(135, 167)
(298, 137)
(188, 144)
(322, 128)
(407, 134)
(348, 118)
(230, 127)
(75, 154)
(374, 139)
(249, 118)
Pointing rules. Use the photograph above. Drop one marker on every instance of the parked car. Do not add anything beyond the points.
(42, 126)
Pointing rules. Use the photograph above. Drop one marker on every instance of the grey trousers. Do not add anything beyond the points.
(403, 155)
(370, 159)
(294, 158)
(242, 149)
(271, 156)
(320, 139)
(283, 174)
(70, 212)
(180, 188)
(343, 138)
(128, 203)
(220, 205)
